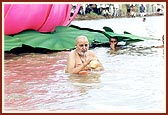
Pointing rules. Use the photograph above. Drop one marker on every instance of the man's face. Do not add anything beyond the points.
(82, 46)
(113, 41)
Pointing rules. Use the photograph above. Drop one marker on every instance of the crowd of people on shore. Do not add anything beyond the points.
(115, 10)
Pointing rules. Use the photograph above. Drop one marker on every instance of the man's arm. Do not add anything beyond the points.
(100, 67)
(71, 64)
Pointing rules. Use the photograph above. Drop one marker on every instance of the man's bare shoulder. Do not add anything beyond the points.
(72, 52)
(91, 53)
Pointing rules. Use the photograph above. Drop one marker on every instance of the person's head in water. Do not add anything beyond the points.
(144, 19)
(163, 39)
(81, 45)
(113, 42)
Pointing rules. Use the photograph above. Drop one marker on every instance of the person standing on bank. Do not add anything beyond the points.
(81, 60)
(161, 46)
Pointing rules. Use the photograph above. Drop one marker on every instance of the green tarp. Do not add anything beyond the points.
(63, 38)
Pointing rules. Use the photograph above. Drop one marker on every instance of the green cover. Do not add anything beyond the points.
(64, 38)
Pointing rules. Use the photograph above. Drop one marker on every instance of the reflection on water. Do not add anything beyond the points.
(88, 78)
(133, 80)
(138, 51)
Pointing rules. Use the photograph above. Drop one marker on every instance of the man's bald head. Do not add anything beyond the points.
(80, 39)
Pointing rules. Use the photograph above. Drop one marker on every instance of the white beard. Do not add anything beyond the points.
(83, 54)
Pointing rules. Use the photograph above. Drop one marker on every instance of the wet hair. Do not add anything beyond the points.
(80, 37)
(114, 37)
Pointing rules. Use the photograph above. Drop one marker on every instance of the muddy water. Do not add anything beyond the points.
(133, 80)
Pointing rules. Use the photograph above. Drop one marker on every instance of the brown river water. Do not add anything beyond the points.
(133, 80)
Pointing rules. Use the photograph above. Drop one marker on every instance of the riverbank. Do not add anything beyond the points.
(93, 16)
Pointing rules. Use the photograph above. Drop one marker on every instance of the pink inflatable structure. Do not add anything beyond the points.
(40, 17)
